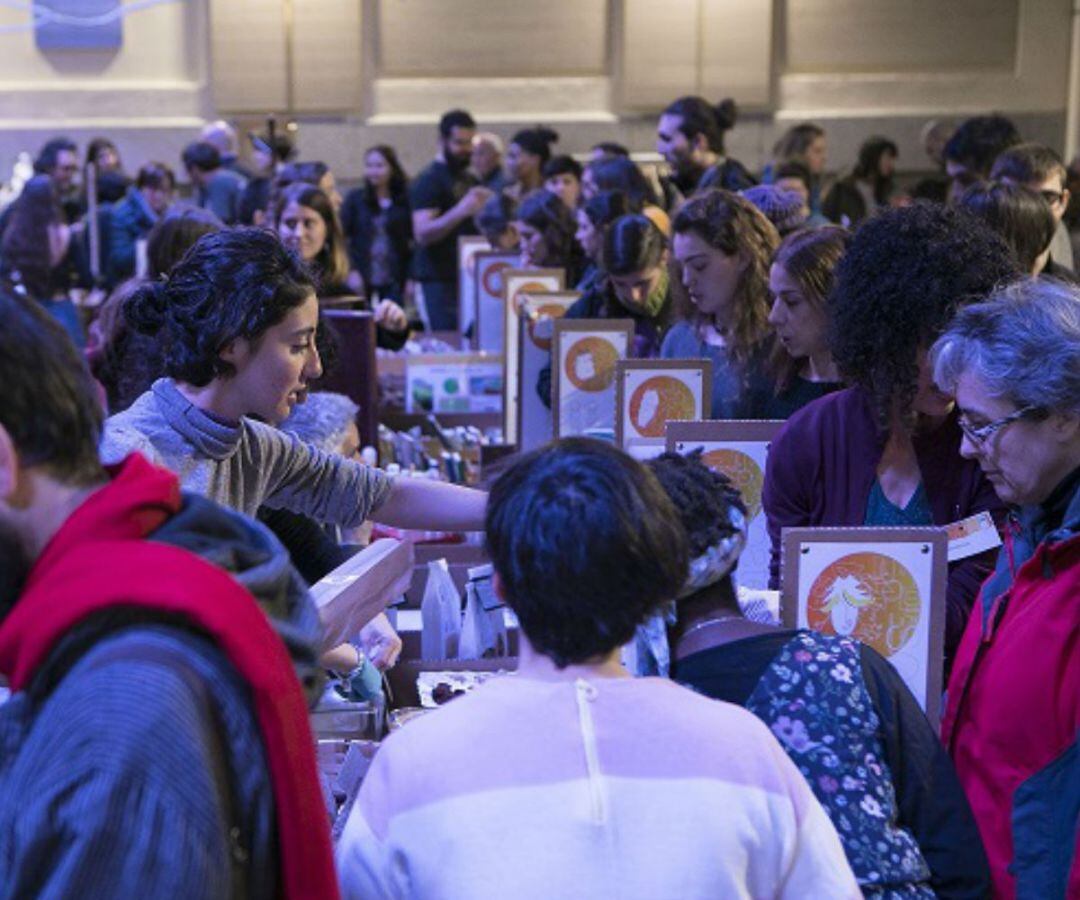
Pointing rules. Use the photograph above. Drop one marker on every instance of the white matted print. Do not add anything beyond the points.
(467, 248)
(517, 284)
(583, 358)
(453, 383)
(882, 586)
(539, 312)
(738, 449)
(649, 393)
(491, 265)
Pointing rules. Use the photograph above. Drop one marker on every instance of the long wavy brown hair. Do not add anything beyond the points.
(731, 224)
(332, 262)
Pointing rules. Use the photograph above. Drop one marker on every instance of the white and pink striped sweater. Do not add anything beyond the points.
(610, 788)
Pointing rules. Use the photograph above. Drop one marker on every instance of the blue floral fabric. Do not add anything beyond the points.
(815, 701)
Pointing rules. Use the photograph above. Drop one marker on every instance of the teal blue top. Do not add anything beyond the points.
(881, 511)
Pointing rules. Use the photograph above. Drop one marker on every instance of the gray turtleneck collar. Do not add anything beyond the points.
(210, 435)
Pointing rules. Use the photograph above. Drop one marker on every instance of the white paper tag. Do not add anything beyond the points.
(972, 535)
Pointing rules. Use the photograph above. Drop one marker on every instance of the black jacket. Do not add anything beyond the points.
(358, 221)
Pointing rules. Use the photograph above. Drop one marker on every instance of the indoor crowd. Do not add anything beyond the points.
(167, 478)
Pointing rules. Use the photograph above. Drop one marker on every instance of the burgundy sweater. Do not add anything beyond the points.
(823, 464)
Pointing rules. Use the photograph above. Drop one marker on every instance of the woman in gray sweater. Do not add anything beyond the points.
(236, 320)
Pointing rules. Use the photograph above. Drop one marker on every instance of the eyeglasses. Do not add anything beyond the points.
(981, 434)
(1052, 197)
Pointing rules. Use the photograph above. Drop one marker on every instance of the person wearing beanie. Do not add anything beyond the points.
(785, 209)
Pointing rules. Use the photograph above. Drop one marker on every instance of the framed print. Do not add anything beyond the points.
(649, 393)
(738, 449)
(583, 357)
(488, 324)
(536, 324)
(467, 247)
(453, 383)
(882, 586)
(518, 284)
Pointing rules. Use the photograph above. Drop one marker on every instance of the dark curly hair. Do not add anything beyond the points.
(702, 497)
(586, 545)
(232, 284)
(903, 277)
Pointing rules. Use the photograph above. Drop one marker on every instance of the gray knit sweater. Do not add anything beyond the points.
(242, 465)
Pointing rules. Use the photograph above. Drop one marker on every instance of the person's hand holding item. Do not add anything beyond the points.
(391, 316)
(380, 643)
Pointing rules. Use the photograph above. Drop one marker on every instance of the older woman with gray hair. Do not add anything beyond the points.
(1013, 712)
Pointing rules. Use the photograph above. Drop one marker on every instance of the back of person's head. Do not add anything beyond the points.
(155, 175)
(536, 141)
(870, 153)
(711, 511)
(793, 144)
(902, 278)
(174, 235)
(620, 173)
(979, 141)
(1021, 216)
(222, 135)
(609, 148)
(496, 216)
(1022, 343)
(604, 208)
(562, 164)
(202, 156)
(792, 168)
(700, 117)
(24, 247)
(631, 244)
(785, 208)
(231, 284)
(455, 118)
(323, 420)
(1027, 164)
(49, 155)
(585, 544)
(50, 409)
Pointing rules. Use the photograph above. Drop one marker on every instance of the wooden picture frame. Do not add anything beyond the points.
(516, 284)
(687, 394)
(738, 448)
(587, 408)
(836, 581)
(488, 289)
(467, 247)
(536, 327)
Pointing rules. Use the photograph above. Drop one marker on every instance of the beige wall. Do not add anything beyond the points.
(357, 71)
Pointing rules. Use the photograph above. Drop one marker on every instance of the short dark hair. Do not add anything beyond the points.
(1019, 215)
(50, 154)
(1026, 163)
(202, 156)
(902, 278)
(979, 140)
(455, 118)
(496, 215)
(98, 146)
(611, 148)
(232, 284)
(701, 117)
(155, 175)
(563, 164)
(50, 407)
(631, 243)
(586, 544)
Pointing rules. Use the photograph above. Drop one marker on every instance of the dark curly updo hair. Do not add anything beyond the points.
(231, 284)
(903, 277)
(702, 497)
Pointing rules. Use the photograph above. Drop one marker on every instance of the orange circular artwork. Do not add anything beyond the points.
(590, 364)
(656, 401)
(869, 596)
(744, 473)
(547, 311)
(493, 282)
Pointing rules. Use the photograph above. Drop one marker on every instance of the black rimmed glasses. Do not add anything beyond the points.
(981, 434)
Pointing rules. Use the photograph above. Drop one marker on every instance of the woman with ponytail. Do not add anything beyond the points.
(530, 150)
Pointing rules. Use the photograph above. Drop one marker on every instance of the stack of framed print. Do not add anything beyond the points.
(490, 266)
(883, 586)
(738, 449)
(536, 327)
(467, 247)
(584, 353)
(649, 393)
